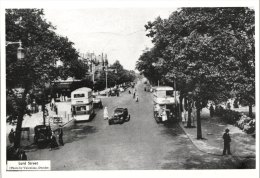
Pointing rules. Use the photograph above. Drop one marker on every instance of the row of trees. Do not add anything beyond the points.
(209, 52)
(116, 75)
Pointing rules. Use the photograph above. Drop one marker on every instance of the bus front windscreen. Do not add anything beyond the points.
(81, 108)
(169, 93)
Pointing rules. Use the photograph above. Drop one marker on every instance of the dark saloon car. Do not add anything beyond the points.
(120, 116)
(42, 135)
(97, 103)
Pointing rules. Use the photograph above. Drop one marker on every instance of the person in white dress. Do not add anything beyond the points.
(105, 113)
(164, 115)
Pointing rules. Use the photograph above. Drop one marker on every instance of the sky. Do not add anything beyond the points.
(119, 33)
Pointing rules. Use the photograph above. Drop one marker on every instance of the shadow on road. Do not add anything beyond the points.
(78, 132)
(171, 129)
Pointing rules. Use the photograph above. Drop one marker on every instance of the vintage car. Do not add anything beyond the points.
(42, 135)
(103, 93)
(120, 116)
(121, 89)
(97, 103)
(112, 92)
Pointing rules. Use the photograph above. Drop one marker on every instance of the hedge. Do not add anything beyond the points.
(238, 119)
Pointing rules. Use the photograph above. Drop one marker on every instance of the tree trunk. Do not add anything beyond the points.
(250, 111)
(22, 111)
(43, 106)
(43, 112)
(199, 132)
(18, 131)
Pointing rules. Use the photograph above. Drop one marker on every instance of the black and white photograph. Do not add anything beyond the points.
(130, 88)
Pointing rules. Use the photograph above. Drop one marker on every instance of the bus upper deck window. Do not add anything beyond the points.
(79, 95)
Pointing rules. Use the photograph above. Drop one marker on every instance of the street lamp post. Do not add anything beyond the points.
(106, 70)
(106, 78)
(20, 50)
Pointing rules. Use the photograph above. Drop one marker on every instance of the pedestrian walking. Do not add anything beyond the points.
(129, 91)
(105, 113)
(227, 140)
(53, 143)
(183, 115)
(34, 106)
(56, 109)
(11, 136)
(61, 136)
(134, 95)
(164, 115)
(136, 98)
(29, 107)
(52, 103)
(22, 155)
(211, 110)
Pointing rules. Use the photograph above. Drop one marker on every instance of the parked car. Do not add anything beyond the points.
(103, 93)
(121, 89)
(112, 92)
(120, 116)
(42, 135)
(97, 103)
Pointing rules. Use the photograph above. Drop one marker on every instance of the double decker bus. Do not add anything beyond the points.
(165, 98)
(82, 104)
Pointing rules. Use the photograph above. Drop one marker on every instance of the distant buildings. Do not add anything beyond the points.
(96, 63)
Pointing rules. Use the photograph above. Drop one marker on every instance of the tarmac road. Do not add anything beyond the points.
(140, 144)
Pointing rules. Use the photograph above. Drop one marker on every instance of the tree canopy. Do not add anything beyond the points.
(207, 50)
(43, 47)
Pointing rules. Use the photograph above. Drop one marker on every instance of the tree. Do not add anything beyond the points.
(43, 48)
(147, 65)
(206, 51)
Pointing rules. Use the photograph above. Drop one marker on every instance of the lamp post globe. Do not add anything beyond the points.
(20, 53)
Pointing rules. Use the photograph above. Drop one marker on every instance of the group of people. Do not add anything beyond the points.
(212, 110)
(17, 154)
(33, 107)
(135, 95)
(53, 141)
(54, 106)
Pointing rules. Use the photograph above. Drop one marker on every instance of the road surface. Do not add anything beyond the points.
(140, 144)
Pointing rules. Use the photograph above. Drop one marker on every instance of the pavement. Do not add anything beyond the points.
(242, 144)
(64, 111)
(37, 119)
